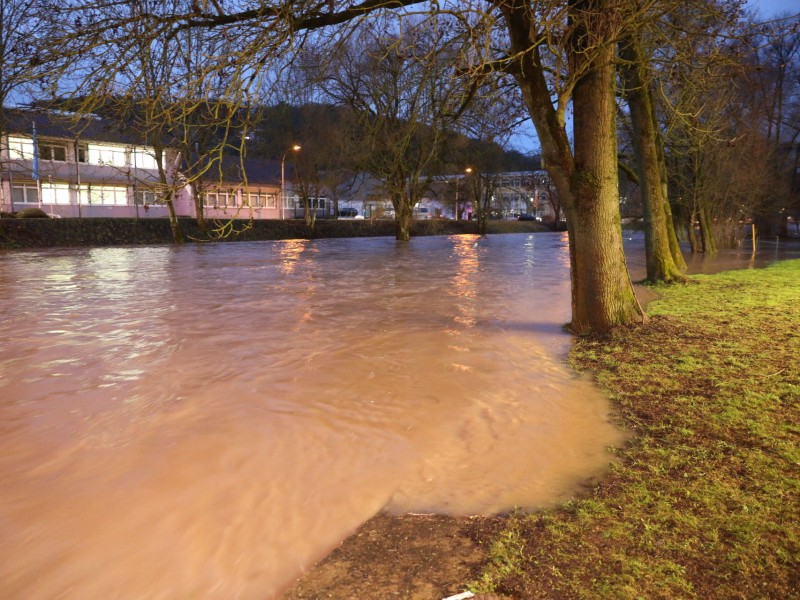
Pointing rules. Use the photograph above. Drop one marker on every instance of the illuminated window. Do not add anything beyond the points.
(144, 158)
(20, 148)
(104, 195)
(115, 156)
(55, 193)
(217, 199)
(261, 199)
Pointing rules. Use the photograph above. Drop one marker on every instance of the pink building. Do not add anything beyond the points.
(86, 167)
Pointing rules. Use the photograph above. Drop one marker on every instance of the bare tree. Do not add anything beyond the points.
(495, 110)
(775, 89)
(711, 119)
(401, 85)
(19, 59)
(664, 261)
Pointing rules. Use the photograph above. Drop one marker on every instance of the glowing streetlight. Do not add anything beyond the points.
(468, 170)
(294, 148)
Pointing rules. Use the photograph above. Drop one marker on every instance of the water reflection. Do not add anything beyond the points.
(290, 252)
(464, 284)
(207, 421)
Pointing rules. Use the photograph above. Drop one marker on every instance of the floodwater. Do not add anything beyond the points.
(209, 421)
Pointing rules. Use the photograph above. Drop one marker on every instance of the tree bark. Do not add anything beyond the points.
(177, 234)
(672, 235)
(659, 257)
(404, 217)
(586, 182)
(707, 230)
(602, 295)
(199, 212)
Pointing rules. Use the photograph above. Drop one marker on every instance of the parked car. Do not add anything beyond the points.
(422, 213)
(348, 212)
(528, 217)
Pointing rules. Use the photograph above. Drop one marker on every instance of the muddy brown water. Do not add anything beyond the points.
(208, 421)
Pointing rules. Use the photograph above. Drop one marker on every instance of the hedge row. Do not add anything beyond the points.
(41, 233)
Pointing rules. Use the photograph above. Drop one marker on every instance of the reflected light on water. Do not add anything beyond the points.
(290, 252)
(464, 291)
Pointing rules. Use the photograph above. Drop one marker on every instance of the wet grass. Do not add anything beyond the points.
(705, 499)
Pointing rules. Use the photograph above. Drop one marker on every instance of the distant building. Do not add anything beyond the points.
(515, 193)
(85, 166)
(79, 167)
(231, 187)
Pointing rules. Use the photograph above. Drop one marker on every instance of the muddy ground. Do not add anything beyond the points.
(413, 557)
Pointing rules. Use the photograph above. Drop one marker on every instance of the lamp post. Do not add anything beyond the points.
(455, 216)
(468, 170)
(294, 148)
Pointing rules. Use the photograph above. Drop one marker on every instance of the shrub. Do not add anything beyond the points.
(32, 213)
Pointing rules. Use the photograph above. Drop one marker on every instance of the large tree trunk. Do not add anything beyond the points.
(586, 182)
(672, 235)
(200, 216)
(707, 230)
(691, 234)
(404, 217)
(602, 295)
(659, 257)
(177, 234)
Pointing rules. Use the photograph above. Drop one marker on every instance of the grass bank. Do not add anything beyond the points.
(705, 499)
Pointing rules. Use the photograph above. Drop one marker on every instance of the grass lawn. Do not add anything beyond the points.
(705, 499)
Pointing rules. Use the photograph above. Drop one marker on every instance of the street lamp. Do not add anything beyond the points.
(468, 170)
(294, 148)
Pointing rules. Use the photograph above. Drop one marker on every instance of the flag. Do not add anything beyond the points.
(35, 155)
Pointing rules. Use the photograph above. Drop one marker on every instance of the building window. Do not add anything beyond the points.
(145, 197)
(313, 203)
(143, 158)
(83, 153)
(218, 199)
(20, 148)
(115, 156)
(51, 151)
(55, 193)
(260, 199)
(103, 195)
(25, 194)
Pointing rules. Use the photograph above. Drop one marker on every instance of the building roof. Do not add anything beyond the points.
(71, 126)
(257, 170)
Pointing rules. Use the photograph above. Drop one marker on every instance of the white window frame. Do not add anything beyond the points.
(56, 193)
(107, 154)
(104, 195)
(45, 146)
(20, 148)
(145, 196)
(261, 199)
(144, 158)
(221, 199)
(29, 193)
